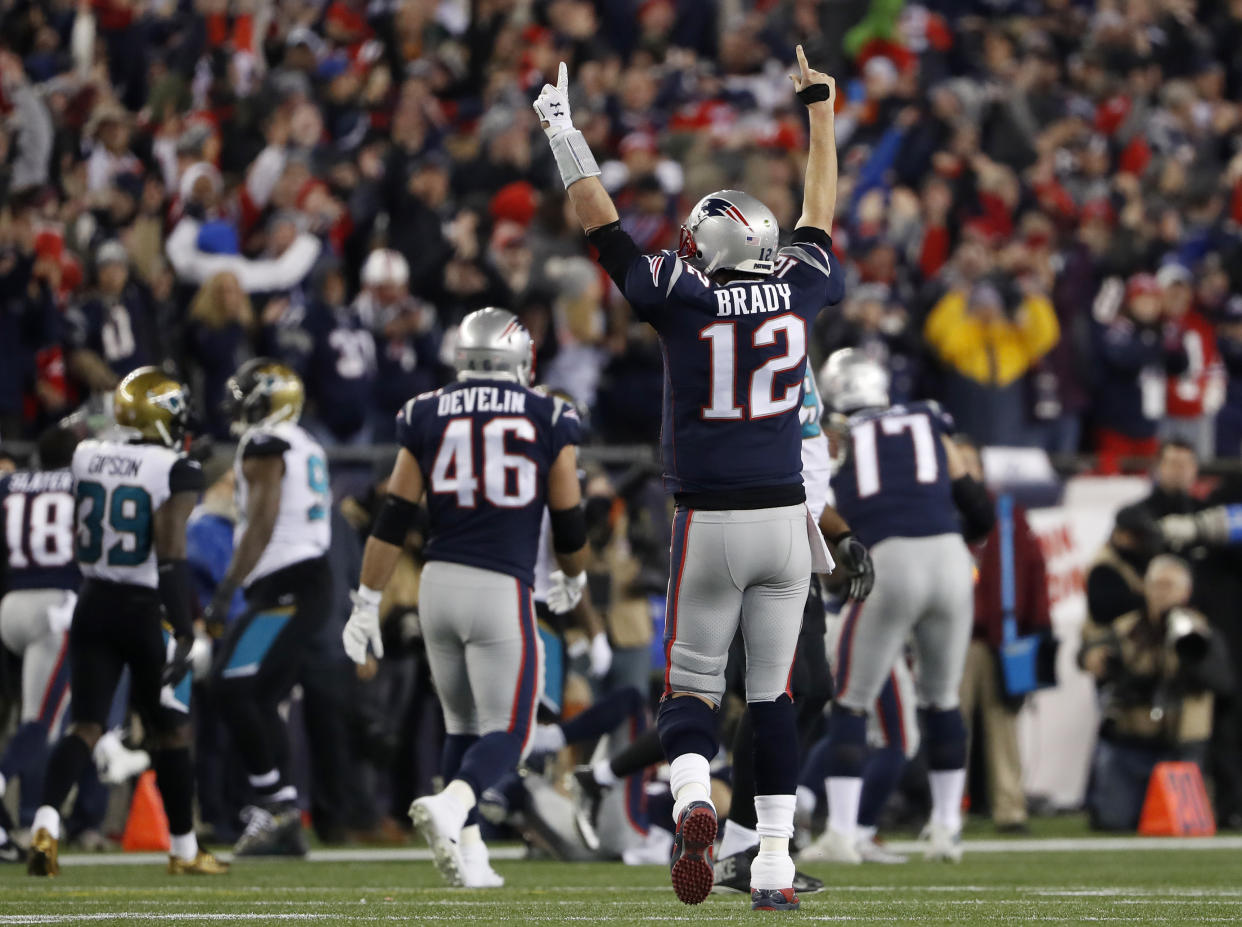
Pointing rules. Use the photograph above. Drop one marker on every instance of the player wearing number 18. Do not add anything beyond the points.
(134, 491)
(280, 561)
(491, 454)
(732, 309)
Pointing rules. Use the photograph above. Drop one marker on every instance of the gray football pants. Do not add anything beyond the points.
(484, 651)
(924, 588)
(25, 630)
(749, 566)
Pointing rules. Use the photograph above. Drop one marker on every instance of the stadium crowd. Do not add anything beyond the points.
(1039, 211)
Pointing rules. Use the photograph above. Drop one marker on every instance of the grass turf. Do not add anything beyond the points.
(1132, 887)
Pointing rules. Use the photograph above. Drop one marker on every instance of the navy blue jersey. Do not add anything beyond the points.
(38, 530)
(485, 448)
(734, 358)
(123, 331)
(895, 479)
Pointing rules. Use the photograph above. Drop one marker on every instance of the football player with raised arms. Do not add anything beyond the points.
(280, 562)
(906, 493)
(732, 309)
(134, 491)
(488, 454)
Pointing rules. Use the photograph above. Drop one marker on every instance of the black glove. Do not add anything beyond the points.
(854, 558)
(216, 614)
(179, 663)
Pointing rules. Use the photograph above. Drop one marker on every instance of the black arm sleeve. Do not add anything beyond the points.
(616, 251)
(812, 236)
(394, 521)
(186, 475)
(975, 505)
(175, 596)
(568, 529)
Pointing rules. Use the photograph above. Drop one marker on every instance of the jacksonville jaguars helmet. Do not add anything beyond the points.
(152, 405)
(850, 380)
(263, 391)
(492, 344)
(730, 230)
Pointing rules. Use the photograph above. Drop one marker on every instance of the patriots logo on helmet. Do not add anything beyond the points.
(715, 206)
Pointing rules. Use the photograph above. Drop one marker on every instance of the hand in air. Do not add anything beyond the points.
(552, 105)
(807, 76)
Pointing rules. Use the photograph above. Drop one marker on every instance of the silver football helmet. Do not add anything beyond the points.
(849, 381)
(492, 344)
(730, 230)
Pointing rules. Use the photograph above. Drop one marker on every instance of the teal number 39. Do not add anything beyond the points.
(129, 515)
(317, 479)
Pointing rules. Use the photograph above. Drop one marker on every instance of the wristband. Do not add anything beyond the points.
(816, 93)
(369, 596)
(573, 157)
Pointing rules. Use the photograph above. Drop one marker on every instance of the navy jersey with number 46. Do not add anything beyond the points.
(734, 356)
(485, 448)
(895, 480)
(37, 507)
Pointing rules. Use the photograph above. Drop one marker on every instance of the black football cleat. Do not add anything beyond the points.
(733, 875)
(691, 865)
(774, 899)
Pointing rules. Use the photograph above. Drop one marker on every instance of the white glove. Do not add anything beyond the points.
(60, 617)
(565, 591)
(552, 105)
(601, 655)
(363, 626)
(1179, 530)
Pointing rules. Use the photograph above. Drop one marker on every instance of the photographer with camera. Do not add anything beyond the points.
(1158, 669)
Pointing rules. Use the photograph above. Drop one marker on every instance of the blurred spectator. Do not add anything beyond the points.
(1194, 395)
(1115, 577)
(981, 689)
(872, 322)
(1158, 668)
(1174, 478)
(987, 347)
(29, 325)
(1229, 343)
(218, 342)
(1137, 351)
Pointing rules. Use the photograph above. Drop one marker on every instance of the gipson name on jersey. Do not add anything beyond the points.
(748, 300)
(482, 399)
(113, 466)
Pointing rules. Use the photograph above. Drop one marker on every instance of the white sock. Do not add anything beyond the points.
(462, 793)
(602, 771)
(471, 835)
(689, 779)
(844, 795)
(47, 818)
(947, 786)
(775, 816)
(184, 846)
(866, 833)
(4, 835)
(736, 839)
(804, 801)
(773, 867)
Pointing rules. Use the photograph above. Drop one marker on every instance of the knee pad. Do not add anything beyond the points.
(687, 725)
(946, 738)
(847, 743)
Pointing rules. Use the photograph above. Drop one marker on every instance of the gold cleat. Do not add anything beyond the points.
(202, 864)
(43, 850)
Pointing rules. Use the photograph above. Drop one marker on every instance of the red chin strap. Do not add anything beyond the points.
(686, 246)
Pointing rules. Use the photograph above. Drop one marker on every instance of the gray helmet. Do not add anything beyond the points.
(850, 380)
(730, 230)
(492, 344)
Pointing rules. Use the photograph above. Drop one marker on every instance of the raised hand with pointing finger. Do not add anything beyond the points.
(813, 87)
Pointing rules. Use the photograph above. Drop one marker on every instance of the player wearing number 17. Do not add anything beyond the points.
(134, 491)
(280, 560)
(732, 310)
(491, 454)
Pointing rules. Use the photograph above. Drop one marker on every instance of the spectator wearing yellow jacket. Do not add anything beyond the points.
(986, 350)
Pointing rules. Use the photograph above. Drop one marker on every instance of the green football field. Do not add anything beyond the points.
(1043, 882)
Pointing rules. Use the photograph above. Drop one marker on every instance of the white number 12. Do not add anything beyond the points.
(866, 459)
(722, 337)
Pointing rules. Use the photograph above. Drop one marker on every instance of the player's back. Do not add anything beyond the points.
(303, 529)
(735, 356)
(119, 487)
(38, 530)
(485, 448)
(895, 479)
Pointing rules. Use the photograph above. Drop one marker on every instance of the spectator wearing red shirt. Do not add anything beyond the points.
(1194, 396)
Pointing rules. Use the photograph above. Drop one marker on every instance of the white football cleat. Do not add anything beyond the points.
(831, 847)
(655, 849)
(477, 871)
(941, 843)
(439, 819)
(115, 762)
(872, 851)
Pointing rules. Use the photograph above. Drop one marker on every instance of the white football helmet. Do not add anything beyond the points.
(849, 381)
(492, 344)
(730, 230)
(385, 267)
